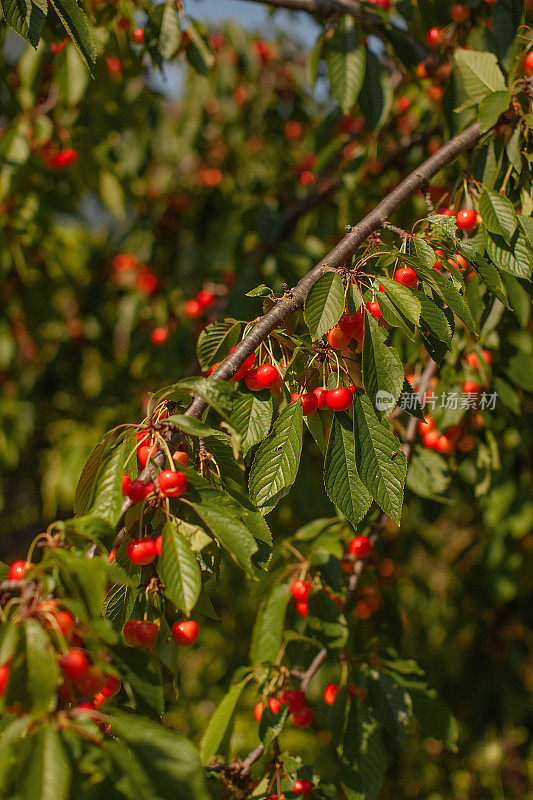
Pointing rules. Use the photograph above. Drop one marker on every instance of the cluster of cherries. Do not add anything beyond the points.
(169, 483)
(196, 306)
(141, 633)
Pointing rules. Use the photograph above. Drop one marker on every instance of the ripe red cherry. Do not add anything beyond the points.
(185, 632)
(74, 664)
(146, 281)
(137, 36)
(192, 309)
(459, 13)
(308, 400)
(360, 546)
(403, 103)
(443, 445)
(293, 129)
(159, 336)
(258, 711)
(172, 484)
(471, 387)
(142, 551)
(245, 368)
(330, 693)
(18, 569)
(124, 262)
(181, 457)
(302, 607)
(113, 64)
(65, 623)
(528, 63)
(321, 393)
(92, 680)
(145, 453)
(274, 705)
(159, 545)
(65, 158)
(111, 687)
(351, 324)
(434, 37)
(294, 698)
(111, 556)
(338, 339)
(446, 211)
(430, 440)
(300, 589)
(267, 375)
(205, 298)
(146, 632)
(339, 399)
(406, 276)
(466, 219)
(427, 426)
(139, 491)
(129, 631)
(302, 787)
(303, 717)
(250, 380)
(126, 483)
(4, 678)
(374, 309)
(457, 261)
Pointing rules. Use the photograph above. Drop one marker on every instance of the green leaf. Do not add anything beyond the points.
(514, 258)
(191, 425)
(343, 484)
(382, 368)
(375, 100)
(428, 474)
(327, 621)
(48, 771)
(198, 53)
(486, 271)
(276, 461)
(71, 75)
(345, 60)
(479, 73)
(85, 486)
(179, 570)
(107, 497)
(391, 704)
(435, 719)
(491, 108)
(119, 602)
(219, 394)
(498, 214)
(216, 340)
(232, 534)
(455, 301)
(144, 678)
(42, 668)
(167, 761)
(271, 725)
(405, 299)
(252, 417)
(520, 370)
(324, 304)
(363, 760)
(434, 319)
(76, 24)
(381, 464)
(268, 628)
(410, 403)
(219, 723)
(315, 56)
(112, 193)
(26, 17)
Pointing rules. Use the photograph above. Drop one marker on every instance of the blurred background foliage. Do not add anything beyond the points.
(201, 188)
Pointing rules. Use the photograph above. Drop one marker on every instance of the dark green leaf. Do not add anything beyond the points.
(382, 368)
(219, 723)
(268, 628)
(345, 59)
(324, 304)
(343, 484)
(179, 569)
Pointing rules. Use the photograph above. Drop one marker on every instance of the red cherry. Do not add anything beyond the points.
(258, 711)
(244, 369)
(212, 369)
(4, 678)
(295, 699)
(427, 426)
(185, 632)
(145, 453)
(339, 399)
(74, 664)
(205, 298)
(146, 633)
(443, 445)
(356, 693)
(99, 700)
(302, 787)
(330, 693)
(181, 457)
(308, 400)
(360, 546)
(470, 387)
(300, 589)
(430, 439)
(111, 556)
(458, 261)
(125, 262)
(293, 129)
(91, 681)
(320, 393)
(65, 158)
(446, 211)
(142, 551)
(65, 623)
(406, 276)
(111, 687)
(303, 717)
(403, 103)
(126, 483)
(302, 607)
(274, 705)
(466, 219)
(113, 64)
(337, 339)
(18, 569)
(250, 380)
(159, 336)
(434, 37)
(374, 309)
(172, 484)
(351, 325)
(487, 356)
(267, 376)
(192, 309)
(159, 545)
(130, 631)
(528, 63)
(137, 36)
(146, 281)
(459, 13)
(139, 491)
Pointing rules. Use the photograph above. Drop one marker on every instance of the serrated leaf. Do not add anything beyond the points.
(42, 668)
(434, 319)
(498, 214)
(402, 297)
(381, 464)
(345, 60)
(191, 425)
(143, 677)
(410, 403)
(26, 17)
(491, 108)
(232, 534)
(216, 340)
(375, 99)
(85, 486)
(455, 301)
(382, 368)
(277, 459)
(179, 569)
(271, 724)
(391, 704)
(76, 24)
(514, 258)
(363, 760)
(343, 484)
(486, 271)
(428, 474)
(48, 771)
(268, 628)
(71, 75)
(324, 304)
(107, 498)
(252, 417)
(479, 73)
(327, 621)
(219, 723)
(119, 602)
